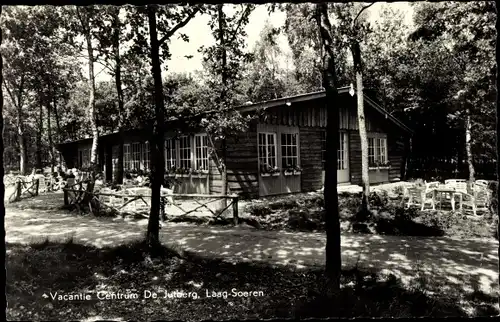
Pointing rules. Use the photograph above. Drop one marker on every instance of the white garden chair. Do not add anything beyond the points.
(420, 196)
(478, 201)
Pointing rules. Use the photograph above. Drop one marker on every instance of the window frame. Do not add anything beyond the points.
(146, 156)
(266, 146)
(175, 147)
(136, 162)
(200, 155)
(188, 161)
(289, 147)
(377, 150)
(127, 157)
(171, 154)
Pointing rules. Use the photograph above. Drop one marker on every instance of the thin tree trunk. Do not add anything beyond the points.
(91, 109)
(18, 103)
(468, 145)
(333, 245)
(158, 157)
(498, 188)
(49, 133)
(58, 126)
(85, 23)
(39, 136)
(356, 53)
(22, 143)
(2, 186)
(119, 91)
(223, 99)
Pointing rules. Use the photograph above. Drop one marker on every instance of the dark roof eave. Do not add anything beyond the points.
(283, 101)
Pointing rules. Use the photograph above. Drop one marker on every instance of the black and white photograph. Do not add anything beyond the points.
(234, 161)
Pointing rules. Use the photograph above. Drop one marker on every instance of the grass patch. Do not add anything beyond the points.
(286, 293)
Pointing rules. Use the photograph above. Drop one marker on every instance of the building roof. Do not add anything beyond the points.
(284, 101)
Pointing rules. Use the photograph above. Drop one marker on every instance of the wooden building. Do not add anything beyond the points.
(282, 152)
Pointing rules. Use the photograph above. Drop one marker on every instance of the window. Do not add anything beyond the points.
(136, 156)
(185, 152)
(289, 150)
(200, 152)
(341, 152)
(267, 150)
(146, 156)
(371, 151)
(170, 154)
(342, 161)
(84, 156)
(127, 161)
(377, 150)
(382, 149)
(323, 149)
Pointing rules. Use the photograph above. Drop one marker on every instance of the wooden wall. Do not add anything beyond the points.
(310, 158)
(242, 165)
(354, 156)
(396, 143)
(314, 114)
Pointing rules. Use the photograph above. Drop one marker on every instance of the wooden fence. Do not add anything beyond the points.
(23, 187)
(126, 200)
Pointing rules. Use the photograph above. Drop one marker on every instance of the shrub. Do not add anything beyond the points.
(259, 209)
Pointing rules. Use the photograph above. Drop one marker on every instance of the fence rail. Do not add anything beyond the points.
(119, 201)
(23, 187)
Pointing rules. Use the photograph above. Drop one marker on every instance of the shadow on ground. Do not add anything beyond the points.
(444, 264)
(283, 292)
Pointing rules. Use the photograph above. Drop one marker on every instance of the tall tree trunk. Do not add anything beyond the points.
(85, 24)
(91, 109)
(119, 91)
(39, 136)
(2, 172)
(468, 145)
(58, 126)
(356, 54)
(333, 245)
(498, 187)
(23, 160)
(222, 27)
(49, 134)
(158, 157)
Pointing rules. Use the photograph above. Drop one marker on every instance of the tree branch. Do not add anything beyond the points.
(235, 32)
(362, 9)
(105, 65)
(181, 24)
(324, 27)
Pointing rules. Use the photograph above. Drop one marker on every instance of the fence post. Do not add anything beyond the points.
(37, 185)
(18, 190)
(235, 210)
(162, 208)
(66, 202)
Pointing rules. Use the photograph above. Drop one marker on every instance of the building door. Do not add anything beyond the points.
(278, 149)
(343, 158)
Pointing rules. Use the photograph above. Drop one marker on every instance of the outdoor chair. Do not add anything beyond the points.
(42, 184)
(451, 181)
(483, 183)
(478, 201)
(458, 184)
(420, 196)
(431, 185)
